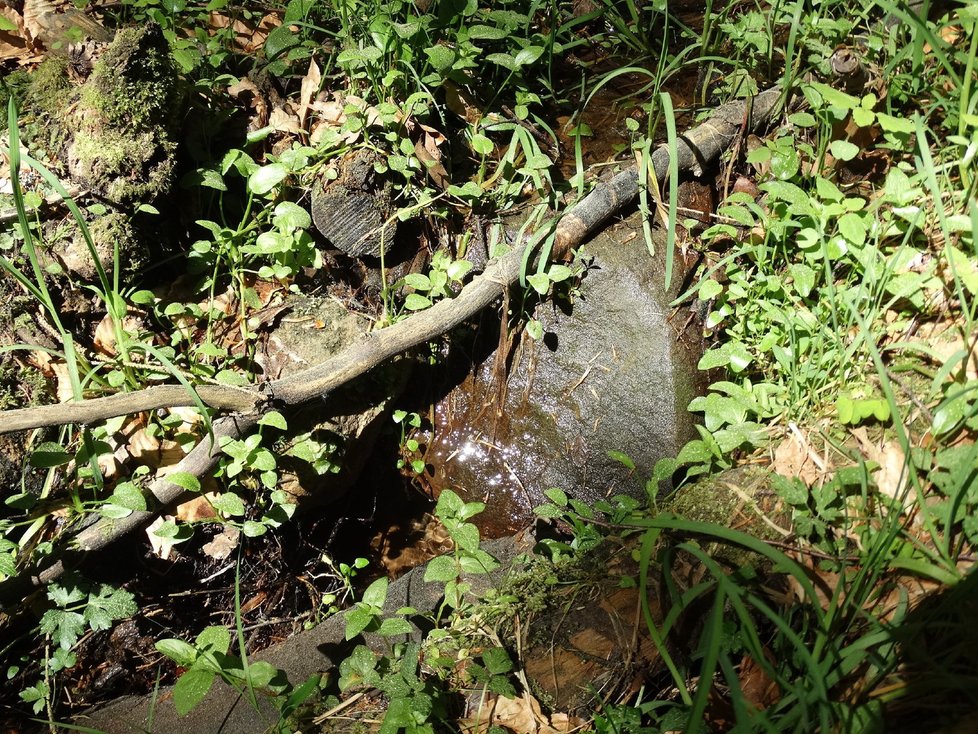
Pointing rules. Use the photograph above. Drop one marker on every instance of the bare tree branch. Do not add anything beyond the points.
(695, 149)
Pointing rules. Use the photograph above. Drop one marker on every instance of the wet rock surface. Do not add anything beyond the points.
(615, 374)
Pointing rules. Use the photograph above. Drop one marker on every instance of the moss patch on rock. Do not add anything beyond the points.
(123, 145)
(742, 499)
(108, 231)
(135, 83)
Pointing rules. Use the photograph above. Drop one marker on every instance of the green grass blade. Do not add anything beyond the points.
(671, 138)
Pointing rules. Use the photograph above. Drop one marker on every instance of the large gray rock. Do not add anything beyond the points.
(615, 374)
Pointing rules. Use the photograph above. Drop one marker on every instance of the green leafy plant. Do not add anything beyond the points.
(410, 446)
(207, 660)
(443, 279)
(78, 606)
(416, 702)
(467, 557)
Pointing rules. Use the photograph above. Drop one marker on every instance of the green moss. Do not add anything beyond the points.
(20, 385)
(123, 145)
(716, 500)
(108, 231)
(709, 500)
(126, 167)
(135, 82)
(16, 85)
(43, 95)
(18, 381)
(51, 91)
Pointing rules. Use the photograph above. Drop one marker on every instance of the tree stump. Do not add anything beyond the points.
(354, 211)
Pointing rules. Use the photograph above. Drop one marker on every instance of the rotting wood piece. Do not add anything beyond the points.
(697, 148)
(355, 211)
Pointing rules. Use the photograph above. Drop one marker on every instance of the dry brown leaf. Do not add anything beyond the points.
(148, 450)
(330, 111)
(266, 25)
(307, 90)
(247, 95)
(248, 37)
(759, 689)
(823, 582)
(950, 34)
(62, 382)
(428, 151)
(522, 715)
(266, 318)
(142, 445)
(197, 508)
(794, 457)
(254, 602)
(891, 478)
(105, 331)
(221, 546)
(54, 23)
(371, 115)
(284, 121)
(463, 104)
(950, 344)
(269, 292)
(33, 12)
(226, 303)
(519, 714)
(330, 114)
(110, 464)
(121, 444)
(763, 167)
(191, 417)
(432, 164)
(746, 185)
(16, 45)
(567, 723)
(399, 551)
(161, 547)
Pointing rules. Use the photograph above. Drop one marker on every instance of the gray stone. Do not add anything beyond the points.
(351, 418)
(615, 374)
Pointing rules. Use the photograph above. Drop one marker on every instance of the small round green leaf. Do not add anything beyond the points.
(184, 479)
(49, 455)
(540, 282)
(267, 178)
(416, 302)
(844, 150)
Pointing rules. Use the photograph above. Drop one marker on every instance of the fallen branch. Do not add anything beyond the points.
(695, 150)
